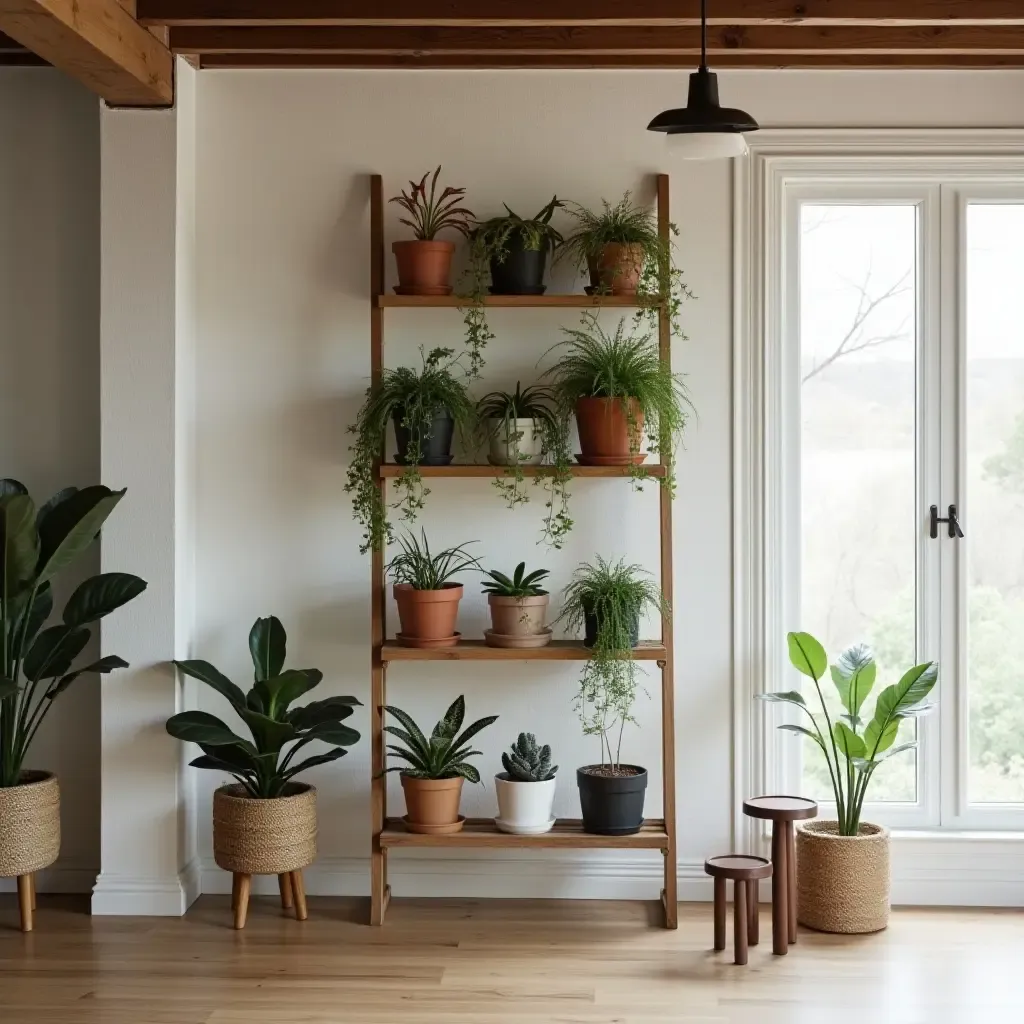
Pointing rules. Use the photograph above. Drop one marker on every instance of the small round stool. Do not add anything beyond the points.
(745, 873)
(782, 811)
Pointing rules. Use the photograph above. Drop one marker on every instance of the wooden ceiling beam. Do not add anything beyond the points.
(578, 12)
(99, 43)
(766, 39)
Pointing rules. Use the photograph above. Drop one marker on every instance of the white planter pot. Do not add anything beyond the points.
(515, 442)
(524, 808)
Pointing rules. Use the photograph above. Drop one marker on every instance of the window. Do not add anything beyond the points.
(891, 379)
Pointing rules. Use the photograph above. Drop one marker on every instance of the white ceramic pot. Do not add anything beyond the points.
(514, 442)
(524, 808)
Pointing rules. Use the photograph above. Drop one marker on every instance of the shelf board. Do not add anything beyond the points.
(568, 833)
(574, 301)
(464, 470)
(477, 650)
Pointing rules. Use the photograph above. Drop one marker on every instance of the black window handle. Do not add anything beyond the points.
(954, 524)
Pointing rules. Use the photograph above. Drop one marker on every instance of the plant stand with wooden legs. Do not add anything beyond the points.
(482, 834)
(290, 884)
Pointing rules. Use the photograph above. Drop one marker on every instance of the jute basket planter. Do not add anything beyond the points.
(264, 837)
(842, 882)
(29, 825)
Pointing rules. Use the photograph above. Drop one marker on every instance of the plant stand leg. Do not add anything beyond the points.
(299, 889)
(284, 883)
(754, 931)
(741, 920)
(719, 913)
(32, 888)
(25, 901)
(791, 880)
(242, 904)
(780, 891)
(234, 891)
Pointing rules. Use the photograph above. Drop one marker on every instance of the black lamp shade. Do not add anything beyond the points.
(703, 113)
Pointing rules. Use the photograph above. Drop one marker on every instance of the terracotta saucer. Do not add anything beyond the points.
(439, 290)
(434, 830)
(415, 641)
(526, 642)
(611, 460)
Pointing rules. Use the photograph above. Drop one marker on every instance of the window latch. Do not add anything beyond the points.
(953, 523)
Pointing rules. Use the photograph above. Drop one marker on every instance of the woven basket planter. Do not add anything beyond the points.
(264, 837)
(29, 825)
(842, 882)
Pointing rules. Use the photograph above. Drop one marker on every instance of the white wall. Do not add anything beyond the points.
(283, 333)
(49, 377)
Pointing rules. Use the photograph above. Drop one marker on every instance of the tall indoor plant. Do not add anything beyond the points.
(425, 407)
(265, 824)
(36, 546)
(425, 263)
(606, 600)
(843, 865)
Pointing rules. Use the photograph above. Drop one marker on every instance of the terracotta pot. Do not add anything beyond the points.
(518, 616)
(842, 882)
(428, 614)
(264, 837)
(432, 805)
(604, 429)
(29, 824)
(424, 268)
(617, 268)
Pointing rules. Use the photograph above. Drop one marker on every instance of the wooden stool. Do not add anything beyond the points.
(290, 884)
(782, 811)
(745, 873)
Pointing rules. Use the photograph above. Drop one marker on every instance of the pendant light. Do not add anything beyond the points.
(704, 129)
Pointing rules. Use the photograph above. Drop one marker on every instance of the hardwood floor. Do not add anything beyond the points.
(497, 962)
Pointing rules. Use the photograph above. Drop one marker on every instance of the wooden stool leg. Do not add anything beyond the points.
(754, 927)
(780, 891)
(719, 913)
(234, 891)
(242, 905)
(284, 883)
(25, 901)
(299, 890)
(741, 920)
(791, 880)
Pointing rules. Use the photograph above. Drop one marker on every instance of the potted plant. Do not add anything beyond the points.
(517, 250)
(843, 865)
(435, 768)
(620, 391)
(518, 608)
(515, 423)
(425, 264)
(36, 546)
(606, 600)
(265, 824)
(526, 788)
(425, 407)
(427, 599)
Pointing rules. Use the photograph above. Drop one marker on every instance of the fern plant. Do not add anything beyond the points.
(528, 762)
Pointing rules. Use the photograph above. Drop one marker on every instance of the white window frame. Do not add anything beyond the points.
(943, 171)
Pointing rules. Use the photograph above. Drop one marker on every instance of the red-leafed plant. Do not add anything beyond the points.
(434, 213)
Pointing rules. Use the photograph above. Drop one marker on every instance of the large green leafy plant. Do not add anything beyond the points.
(443, 756)
(35, 547)
(262, 765)
(854, 745)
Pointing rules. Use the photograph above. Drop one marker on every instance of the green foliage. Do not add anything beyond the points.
(261, 765)
(443, 756)
(522, 584)
(526, 762)
(491, 239)
(36, 667)
(615, 595)
(863, 747)
(415, 565)
(434, 213)
(414, 398)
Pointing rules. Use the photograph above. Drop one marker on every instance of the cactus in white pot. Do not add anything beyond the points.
(526, 788)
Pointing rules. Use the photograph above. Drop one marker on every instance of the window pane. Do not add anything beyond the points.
(858, 311)
(995, 485)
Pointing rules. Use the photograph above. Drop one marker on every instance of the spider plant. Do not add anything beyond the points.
(432, 213)
(520, 584)
(413, 399)
(446, 754)
(492, 238)
(534, 402)
(415, 564)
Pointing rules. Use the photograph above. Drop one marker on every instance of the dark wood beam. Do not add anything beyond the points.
(578, 12)
(99, 43)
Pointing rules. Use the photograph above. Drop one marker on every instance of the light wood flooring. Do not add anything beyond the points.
(497, 962)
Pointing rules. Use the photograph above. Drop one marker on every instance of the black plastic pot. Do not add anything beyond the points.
(613, 805)
(590, 624)
(521, 272)
(435, 448)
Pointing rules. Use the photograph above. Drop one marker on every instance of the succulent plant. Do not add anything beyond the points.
(526, 762)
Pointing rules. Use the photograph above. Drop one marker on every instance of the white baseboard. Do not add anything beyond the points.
(66, 876)
(130, 896)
